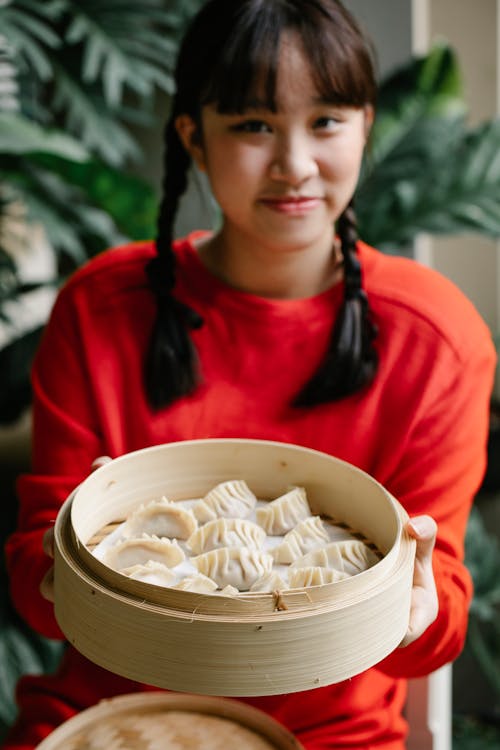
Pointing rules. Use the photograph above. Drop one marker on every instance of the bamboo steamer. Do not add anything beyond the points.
(253, 644)
(147, 721)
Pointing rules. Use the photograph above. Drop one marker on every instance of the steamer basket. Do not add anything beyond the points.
(253, 644)
(140, 722)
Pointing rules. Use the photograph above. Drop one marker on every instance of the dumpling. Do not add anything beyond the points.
(234, 566)
(203, 513)
(226, 532)
(314, 576)
(229, 591)
(151, 572)
(350, 556)
(198, 583)
(281, 515)
(270, 582)
(161, 518)
(232, 499)
(308, 535)
(140, 550)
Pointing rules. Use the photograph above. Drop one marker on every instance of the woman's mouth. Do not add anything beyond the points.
(292, 205)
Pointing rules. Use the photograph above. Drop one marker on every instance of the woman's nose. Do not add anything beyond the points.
(293, 161)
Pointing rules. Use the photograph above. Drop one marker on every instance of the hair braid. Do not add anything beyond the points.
(351, 360)
(171, 363)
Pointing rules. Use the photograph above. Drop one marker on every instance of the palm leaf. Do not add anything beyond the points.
(87, 114)
(18, 135)
(73, 226)
(9, 87)
(426, 88)
(456, 192)
(425, 172)
(26, 26)
(123, 45)
(21, 652)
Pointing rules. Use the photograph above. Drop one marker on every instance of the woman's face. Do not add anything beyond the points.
(282, 178)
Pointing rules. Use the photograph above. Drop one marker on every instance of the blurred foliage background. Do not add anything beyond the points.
(80, 82)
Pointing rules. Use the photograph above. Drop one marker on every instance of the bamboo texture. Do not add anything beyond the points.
(253, 644)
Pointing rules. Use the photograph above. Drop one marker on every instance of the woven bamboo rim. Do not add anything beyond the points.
(257, 644)
(139, 721)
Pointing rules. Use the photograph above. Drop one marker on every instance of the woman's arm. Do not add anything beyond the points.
(65, 441)
(443, 464)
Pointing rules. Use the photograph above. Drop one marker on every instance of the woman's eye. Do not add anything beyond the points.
(251, 126)
(326, 123)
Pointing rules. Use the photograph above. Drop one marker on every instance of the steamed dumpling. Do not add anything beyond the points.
(270, 582)
(281, 515)
(161, 518)
(233, 566)
(232, 499)
(140, 550)
(226, 532)
(307, 535)
(350, 556)
(314, 576)
(198, 583)
(203, 513)
(151, 572)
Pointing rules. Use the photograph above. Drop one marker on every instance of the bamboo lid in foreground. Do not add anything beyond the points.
(150, 721)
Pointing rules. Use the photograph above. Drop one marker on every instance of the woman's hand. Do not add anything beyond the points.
(47, 582)
(424, 600)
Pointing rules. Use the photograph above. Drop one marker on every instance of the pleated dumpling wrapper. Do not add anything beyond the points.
(281, 515)
(233, 499)
(226, 532)
(270, 582)
(349, 556)
(299, 578)
(197, 583)
(140, 550)
(162, 518)
(234, 566)
(307, 535)
(151, 572)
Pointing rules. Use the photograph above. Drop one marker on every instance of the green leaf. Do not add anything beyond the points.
(29, 35)
(482, 557)
(20, 136)
(426, 88)
(129, 201)
(120, 41)
(21, 652)
(74, 227)
(451, 186)
(89, 116)
(470, 733)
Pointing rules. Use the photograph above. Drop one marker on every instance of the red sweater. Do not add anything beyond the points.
(420, 429)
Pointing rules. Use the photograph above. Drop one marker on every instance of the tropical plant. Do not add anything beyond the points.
(482, 557)
(76, 79)
(426, 171)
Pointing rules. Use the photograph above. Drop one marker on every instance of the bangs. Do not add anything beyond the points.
(244, 71)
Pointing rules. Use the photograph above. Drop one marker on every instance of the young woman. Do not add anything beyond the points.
(280, 325)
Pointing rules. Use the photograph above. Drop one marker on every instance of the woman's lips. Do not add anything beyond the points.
(292, 205)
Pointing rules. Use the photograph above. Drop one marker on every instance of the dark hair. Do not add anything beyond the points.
(229, 57)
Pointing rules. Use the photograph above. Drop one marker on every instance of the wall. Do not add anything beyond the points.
(472, 29)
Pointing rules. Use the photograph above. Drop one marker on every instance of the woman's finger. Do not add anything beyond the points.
(424, 599)
(47, 585)
(424, 530)
(99, 461)
(48, 542)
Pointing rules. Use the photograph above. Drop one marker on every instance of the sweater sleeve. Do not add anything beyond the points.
(442, 466)
(65, 441)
